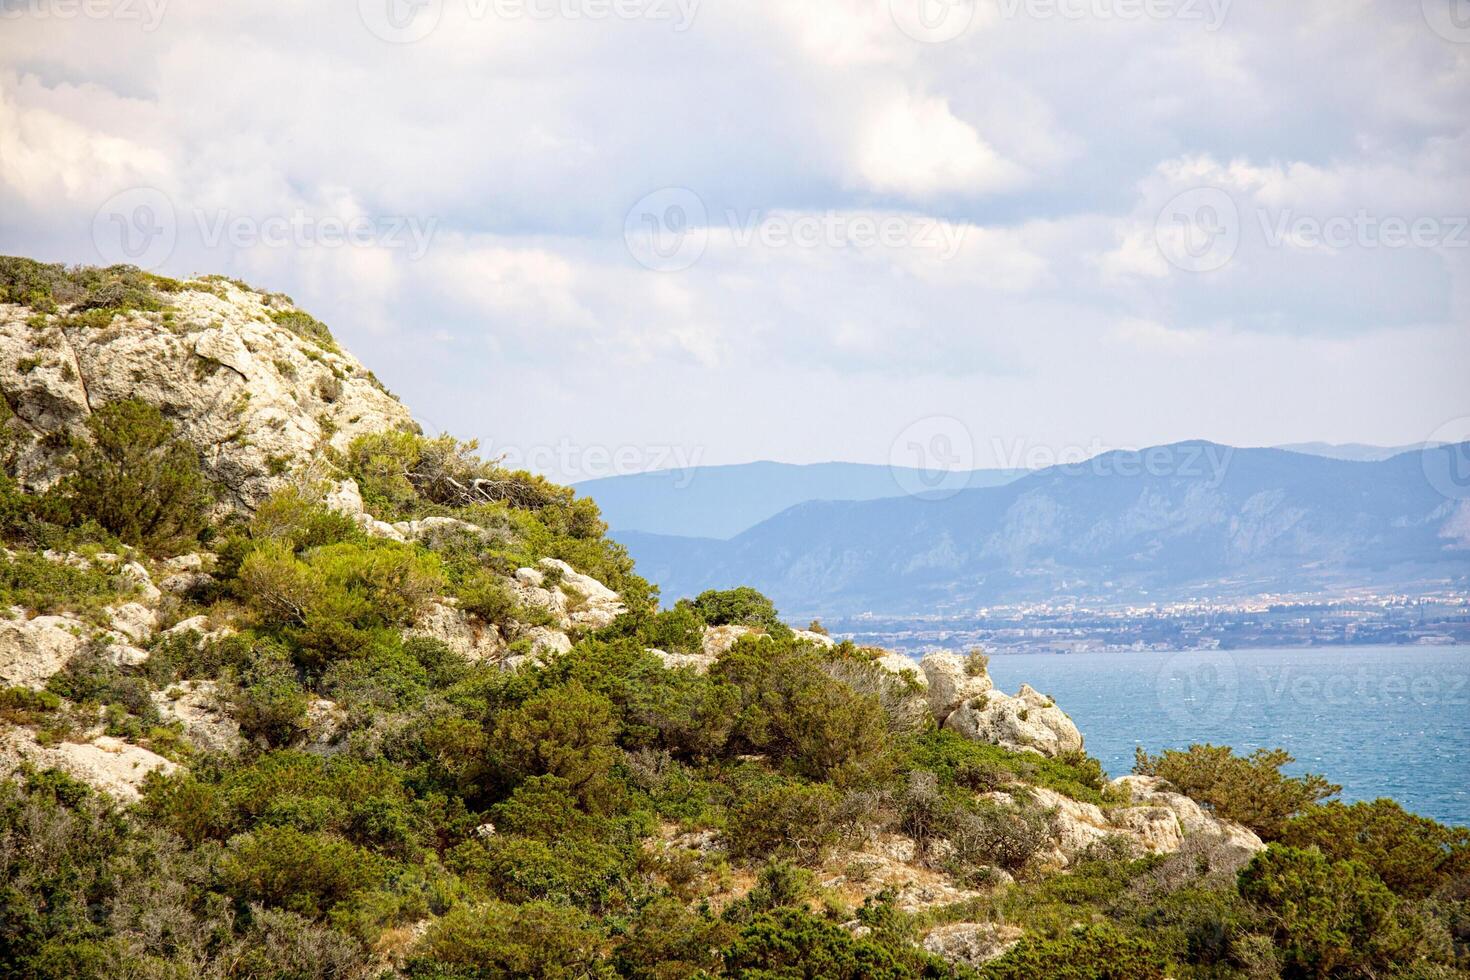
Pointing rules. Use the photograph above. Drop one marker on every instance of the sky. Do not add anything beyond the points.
(603, 236)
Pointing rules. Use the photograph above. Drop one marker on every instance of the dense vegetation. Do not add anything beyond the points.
(596, 814)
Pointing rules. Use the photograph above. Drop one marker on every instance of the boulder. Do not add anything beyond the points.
(1192, 818)
(254, 396)
(970, 943)
(107, 764)
(462, 633)
(950, 683)
(195, 705)
(812, 636)
(698, 662)
(593, 605)
(32, 650)
(1028, 722)
(718, 640)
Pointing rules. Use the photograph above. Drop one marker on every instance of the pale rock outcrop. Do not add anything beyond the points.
(950, 683)
(1028, 722)
(182, 583)
(593, 604)
(548, 642)
(812, 636)
(201, 626)
(196, 706)
(698, 662)
(325, 727)
(889, 861)
(135, 577)
(32, 650)
(105, 763)
(126, 655)
(1193, 818)
(253, 396)
(718, 640)
(970, 943)
(461, 632)
(133, 620)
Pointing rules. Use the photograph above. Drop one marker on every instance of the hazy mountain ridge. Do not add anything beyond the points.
(1117, 527)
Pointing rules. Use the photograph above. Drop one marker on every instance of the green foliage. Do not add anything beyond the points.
(979, 766)
(496, 940)
(1090, 953)
(306, 873)
(1328, 918)
(29, 580)
(790, 709)
(137, 480)
(267, 700)
(567, 732)
(791, 943)
(1412, 855)
(307, 327)
(742, 606)
(1251, 790)
(45, 286)
(677, 630)
(787, 819)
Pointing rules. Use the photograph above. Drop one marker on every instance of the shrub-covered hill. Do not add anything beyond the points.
(289, 690)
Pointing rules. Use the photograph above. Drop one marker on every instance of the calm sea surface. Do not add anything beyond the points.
(1381, 721)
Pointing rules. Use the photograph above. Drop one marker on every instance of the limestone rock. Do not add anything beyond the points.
(719, 639)
(182, 583)
(812, 636)
(970, 943)
(1028, 722)
(32, 650)
(1193, 818)
(950, 683)
(133, 620)
(698, 662)
(253, 396)
(107, 764)
(462, 633)
(325, 724)
(594, 605)
(196, 706)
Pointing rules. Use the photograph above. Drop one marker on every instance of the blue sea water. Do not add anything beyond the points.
(1380, 721)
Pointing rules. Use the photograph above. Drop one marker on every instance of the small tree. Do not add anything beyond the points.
(1250, 790)
(137, 480)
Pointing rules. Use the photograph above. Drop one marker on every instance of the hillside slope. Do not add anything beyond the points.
(1187, 519)
(284, 706)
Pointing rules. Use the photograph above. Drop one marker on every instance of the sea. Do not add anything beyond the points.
(1378, 720)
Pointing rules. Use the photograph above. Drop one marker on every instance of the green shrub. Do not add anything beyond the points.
(137, 480)
(567, 732)
(1088, 953)
(301, 872)
(742, 606)
(307, 327)
(29, 580)
(677, 630)
(980, 766)
(793, 943)
(496, 940)
(1327, 918)
(1413, 855)
(267, 699)
(1250, 790)
(45, 286)
(788, 819)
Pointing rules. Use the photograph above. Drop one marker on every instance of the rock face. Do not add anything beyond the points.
(971, 944)
(256, 397)
(105, 763)
(31, 650)
(1028, 722)
(951, 684)
(196, 706)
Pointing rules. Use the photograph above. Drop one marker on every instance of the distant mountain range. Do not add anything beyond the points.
(1192, 519)
(1357, 451)
(722, 501)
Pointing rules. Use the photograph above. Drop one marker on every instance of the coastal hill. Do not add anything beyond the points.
(290, 690)
(1193, 519)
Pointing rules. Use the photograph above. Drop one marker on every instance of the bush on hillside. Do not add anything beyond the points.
(1251, 790)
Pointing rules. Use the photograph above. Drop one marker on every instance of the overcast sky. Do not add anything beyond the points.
(605, 235)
